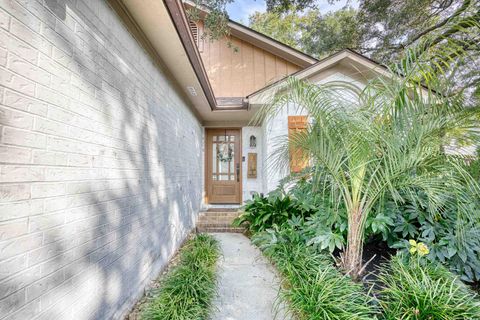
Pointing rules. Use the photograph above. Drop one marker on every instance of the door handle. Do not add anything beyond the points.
(238, 172)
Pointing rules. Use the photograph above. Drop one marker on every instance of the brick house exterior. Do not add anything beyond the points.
(101, 173)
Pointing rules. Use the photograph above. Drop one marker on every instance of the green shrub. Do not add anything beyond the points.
(321, 222)
(453, 240)
(312, 287)
(417, 291)
(262, 212)
(187, 290)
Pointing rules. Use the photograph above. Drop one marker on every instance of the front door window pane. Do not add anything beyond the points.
(223, 157)
(214, 164)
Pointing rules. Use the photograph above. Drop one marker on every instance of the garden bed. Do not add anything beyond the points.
(375, 253)
(403, 280)
(185, 290)
(405, 287)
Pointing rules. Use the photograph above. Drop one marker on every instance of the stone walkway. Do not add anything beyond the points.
(248, 283)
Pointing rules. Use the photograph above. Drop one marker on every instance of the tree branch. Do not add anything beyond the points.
(457, 12)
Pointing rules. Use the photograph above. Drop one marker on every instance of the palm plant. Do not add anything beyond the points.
(386, 140)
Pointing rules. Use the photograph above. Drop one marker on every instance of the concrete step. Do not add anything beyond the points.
(222, 209)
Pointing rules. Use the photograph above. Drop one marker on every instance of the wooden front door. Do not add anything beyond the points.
(223, 172)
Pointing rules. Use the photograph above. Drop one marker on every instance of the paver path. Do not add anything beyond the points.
(248, 283)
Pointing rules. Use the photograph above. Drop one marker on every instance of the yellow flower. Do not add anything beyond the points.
(420, 248)
(413, 246)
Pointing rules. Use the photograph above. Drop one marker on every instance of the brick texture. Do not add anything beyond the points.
(100, 162)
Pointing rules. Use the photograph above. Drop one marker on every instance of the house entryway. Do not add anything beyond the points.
(223, 174)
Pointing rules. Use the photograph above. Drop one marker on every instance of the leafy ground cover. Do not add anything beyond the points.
(409, 286)
(312, 287)
(187, 290)
(416, 290)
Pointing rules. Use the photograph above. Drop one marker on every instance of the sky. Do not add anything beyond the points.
(239, 10)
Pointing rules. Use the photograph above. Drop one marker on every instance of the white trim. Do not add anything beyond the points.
(258, 96)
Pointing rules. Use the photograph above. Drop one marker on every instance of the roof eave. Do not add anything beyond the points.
(325, 63)
(271, 45)
(179, 18)
(263, 41)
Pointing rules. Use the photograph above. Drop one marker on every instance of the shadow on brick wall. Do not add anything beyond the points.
(144, 171)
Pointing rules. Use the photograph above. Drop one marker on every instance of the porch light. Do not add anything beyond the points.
(253, 141)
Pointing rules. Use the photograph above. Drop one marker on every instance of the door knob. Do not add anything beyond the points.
(238, 172)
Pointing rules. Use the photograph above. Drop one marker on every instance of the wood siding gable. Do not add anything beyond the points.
(237, 68)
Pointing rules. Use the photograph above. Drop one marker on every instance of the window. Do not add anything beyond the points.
(298, 161)
(223, 156)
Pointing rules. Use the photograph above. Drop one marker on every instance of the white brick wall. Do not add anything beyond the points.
(275, 133)
(100, 162)
(252, 185)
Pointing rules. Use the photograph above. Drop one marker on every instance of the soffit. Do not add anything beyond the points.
(155, 22)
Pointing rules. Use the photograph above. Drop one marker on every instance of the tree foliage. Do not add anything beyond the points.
(283, 27)
(383, 30)
(216, 21)
(312, 32)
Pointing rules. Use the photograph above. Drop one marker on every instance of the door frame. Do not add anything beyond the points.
(205, 160)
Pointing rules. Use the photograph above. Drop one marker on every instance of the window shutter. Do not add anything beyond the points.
(197, 31)
(298, 161)
(194, 29)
